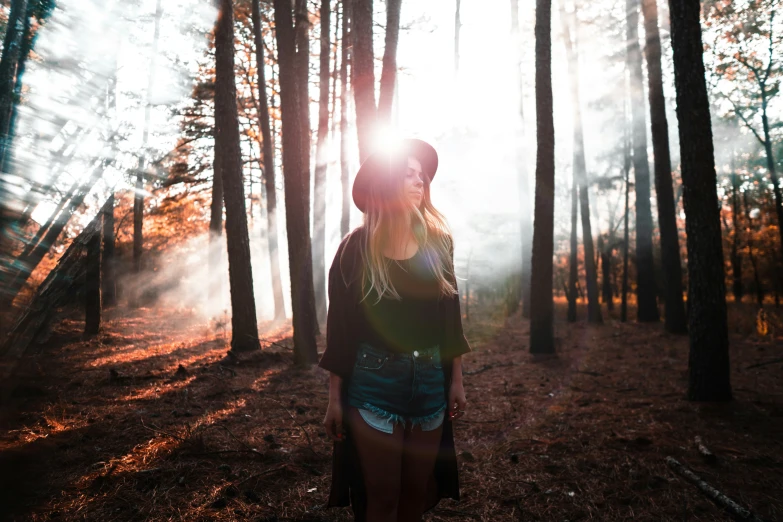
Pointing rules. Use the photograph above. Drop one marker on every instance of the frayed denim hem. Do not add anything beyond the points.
(395, 418)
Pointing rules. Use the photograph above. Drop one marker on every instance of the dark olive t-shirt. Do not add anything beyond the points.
(412, 322)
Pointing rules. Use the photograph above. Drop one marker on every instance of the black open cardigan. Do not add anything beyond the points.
(342, 325)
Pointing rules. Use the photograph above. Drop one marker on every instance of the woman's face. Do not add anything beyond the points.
(414, 182)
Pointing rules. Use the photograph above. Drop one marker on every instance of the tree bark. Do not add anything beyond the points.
(580, 175)
(269, 164)
(92, 286)
(709, 377)
(626, 243)
(108, 261)
(363, 74)
(457, 27)
(244, 328)
(345, 169)
(138, 200)
(756, 277)
(319, 183)
(647, 309)
(674, 308)
(542, 311)
(8, 121)
(9, 63)
(736, 255)
(389, 71)
(297, 200)
(573, 258)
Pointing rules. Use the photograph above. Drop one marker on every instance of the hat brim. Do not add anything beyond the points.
(419, 149)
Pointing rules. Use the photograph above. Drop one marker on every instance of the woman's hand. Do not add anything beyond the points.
(333, 422)
(457, 400)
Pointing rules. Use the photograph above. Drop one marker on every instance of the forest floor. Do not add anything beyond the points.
(144, 422)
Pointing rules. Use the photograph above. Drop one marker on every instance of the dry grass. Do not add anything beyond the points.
(115, 429)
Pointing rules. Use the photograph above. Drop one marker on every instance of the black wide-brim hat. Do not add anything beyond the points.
(379, 162)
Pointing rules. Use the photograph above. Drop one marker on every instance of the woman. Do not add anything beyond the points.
(394, 343)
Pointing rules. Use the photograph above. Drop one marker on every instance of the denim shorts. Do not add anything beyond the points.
(389, 387)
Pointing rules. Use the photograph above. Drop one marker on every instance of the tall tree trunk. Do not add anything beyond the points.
(244, 328)
(9, 63)
(756, 277)
(709, 377)
(457, 27)
(302, 64)
(269, 164)
(9, 128)
(345, 169)
(92, 285)
(319, 183)
(542, 311)
(647, 309)
(297, 200)
(626, 245)
(138, 200)
(771, 165)
(108, 261)
(573, 258)
(580, 175)
(389, 72)
(674, 308)
(525, 210)
(736, 255)
(363, 74)
(606, 273)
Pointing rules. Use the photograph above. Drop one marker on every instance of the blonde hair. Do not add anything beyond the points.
(384, 221)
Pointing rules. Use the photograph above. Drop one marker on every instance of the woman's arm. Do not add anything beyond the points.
(456, 372)
(457, 401)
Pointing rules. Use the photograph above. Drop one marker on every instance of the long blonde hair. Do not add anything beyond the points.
(384, 220)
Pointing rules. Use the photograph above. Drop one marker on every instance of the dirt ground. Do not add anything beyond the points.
(144, 422)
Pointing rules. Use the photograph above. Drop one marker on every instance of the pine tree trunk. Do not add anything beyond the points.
(457, 27)
(756, 277)
(772, 172)
(269, 164)
(389, 71)
(297, 200)
(9, 63)
(92, 286)
(319, 183)
(580, 175)
(525, 210)
(736, 255)
(709, 376)
(9, 129)
(244, 328)
(302, 61)
(138, 200)
(674, 309)
(606, 277)
(573, 258)
(345, 168)
(626, 245)
(108, 261)
(542, 311)
(647, 309)
(363, 74)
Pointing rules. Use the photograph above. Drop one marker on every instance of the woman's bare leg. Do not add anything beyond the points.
(381, 460)
(419, 451)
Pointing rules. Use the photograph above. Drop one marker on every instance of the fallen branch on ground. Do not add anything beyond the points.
(737, 511)
(766, 363)
(487, 367)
